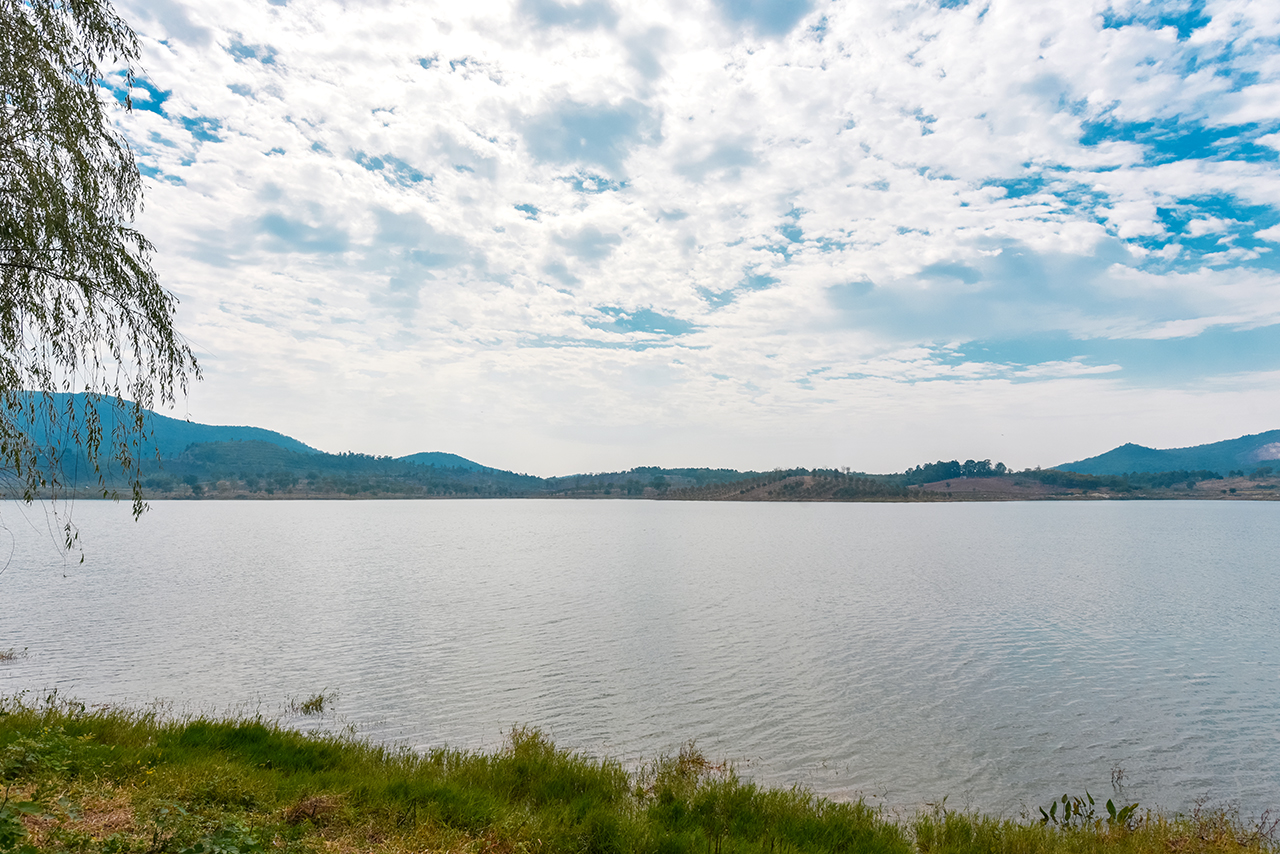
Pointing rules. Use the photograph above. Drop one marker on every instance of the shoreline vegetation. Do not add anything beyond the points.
(259, 470)
(134, 782)
(797, 485)
(175, 459)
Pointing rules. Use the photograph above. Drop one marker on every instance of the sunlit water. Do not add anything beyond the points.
(997, 654)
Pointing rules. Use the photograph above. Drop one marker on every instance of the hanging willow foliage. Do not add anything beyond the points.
(87, 340)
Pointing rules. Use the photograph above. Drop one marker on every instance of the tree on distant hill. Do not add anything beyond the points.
(80, 307)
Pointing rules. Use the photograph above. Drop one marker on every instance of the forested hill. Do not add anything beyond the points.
(256, 468)
(443, 460)
(1243, 454)
(169, 437)
(261, 469)
(173, 436)
(203, 460)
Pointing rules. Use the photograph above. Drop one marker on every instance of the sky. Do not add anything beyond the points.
(567, 237)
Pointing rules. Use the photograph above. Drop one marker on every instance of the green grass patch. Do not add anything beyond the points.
(129, 782)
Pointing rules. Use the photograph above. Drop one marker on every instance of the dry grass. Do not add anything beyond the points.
(314, 808)
(84, 816)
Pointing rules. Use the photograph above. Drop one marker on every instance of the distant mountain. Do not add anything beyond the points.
(245, 469)
(1245, 453)
(442, 460)
(172, 436)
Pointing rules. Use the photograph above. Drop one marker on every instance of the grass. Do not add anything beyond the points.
(315, 705)
(1203, 830)
(130, 782)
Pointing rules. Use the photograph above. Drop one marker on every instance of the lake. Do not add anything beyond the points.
(996, 654)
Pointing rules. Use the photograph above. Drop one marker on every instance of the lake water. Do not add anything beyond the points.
(997, 654)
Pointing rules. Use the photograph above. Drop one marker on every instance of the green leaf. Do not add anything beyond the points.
(26, 807)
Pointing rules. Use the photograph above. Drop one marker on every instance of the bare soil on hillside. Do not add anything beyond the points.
(994, 489)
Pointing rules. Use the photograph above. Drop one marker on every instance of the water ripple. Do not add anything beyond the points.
(999, 654)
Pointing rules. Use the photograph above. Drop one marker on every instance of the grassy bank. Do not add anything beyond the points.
(116, 780)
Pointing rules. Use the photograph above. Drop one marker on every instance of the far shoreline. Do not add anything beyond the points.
(798, 489)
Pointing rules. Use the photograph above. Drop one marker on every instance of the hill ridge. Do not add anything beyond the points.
(169, 436)
(1241, 453)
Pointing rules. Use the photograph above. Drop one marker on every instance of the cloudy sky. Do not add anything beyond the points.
(562, 237)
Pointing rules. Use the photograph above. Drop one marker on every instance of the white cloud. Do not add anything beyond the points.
(539, 219)
(1208, 225)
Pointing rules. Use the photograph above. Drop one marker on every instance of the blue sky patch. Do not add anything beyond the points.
(717, 299)
(586, 182)
(1214, 352)
(757, 282)
(393, 169)
(599, 134)
(1205, 225)
(373, 164)
(792, 232)
(640, 320)
(791, 229)
(529, 211)
(159, 175)
(768, 17)
(160, 140)
(1017, 188)
(263, 53)
(291, 235)
(1177, 138)
(750, 282)
(202, 128)
(925, 121)
(1186, 17)
(585, 15)
(146, 96)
